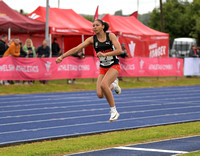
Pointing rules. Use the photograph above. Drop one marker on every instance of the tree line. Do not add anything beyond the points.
(181, 19)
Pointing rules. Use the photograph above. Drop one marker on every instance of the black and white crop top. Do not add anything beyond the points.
(104, 47)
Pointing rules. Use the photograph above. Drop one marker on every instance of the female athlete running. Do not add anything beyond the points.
(103, 43)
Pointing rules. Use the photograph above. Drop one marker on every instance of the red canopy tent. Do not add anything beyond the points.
(65, 23)
(139, 39)
(18, 23)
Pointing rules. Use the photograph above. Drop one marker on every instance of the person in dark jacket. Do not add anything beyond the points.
(43, 50)
(124, 52)
(79, 55)
(198, 51)
(193, 52)
(3, 46)
(22, 52)
(55, 48)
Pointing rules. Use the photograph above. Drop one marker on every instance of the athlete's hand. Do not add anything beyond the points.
(100, 54)
(59, 59)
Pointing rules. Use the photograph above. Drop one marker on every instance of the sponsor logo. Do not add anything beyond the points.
(128, 67)
(71, 67)
(141, 64)
(34, 16)
(178, 65)
(66, 30)
(160, 67)
(22, 68)
(159, 37)
(155, 51)
(132, 36)
(48, 66)
(96, 44)
(132, 48)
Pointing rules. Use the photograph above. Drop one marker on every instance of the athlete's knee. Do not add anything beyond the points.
(104, 85)
(100, 95)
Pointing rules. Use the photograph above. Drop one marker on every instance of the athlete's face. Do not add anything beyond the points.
(97, 27)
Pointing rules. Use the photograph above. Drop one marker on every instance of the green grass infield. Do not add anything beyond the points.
(101, 141)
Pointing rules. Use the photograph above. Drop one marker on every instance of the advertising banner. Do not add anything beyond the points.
(13, 68)
(138, 46)
(192, 66)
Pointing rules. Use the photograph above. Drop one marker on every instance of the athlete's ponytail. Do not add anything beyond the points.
(106, 25)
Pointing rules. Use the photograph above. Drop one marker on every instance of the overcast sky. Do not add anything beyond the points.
(88, 6)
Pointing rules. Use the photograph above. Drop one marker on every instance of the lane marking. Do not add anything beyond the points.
(83, 96)
(86, 116)
(60, 112)
(57, 107)
(100, 122)
(151, 150)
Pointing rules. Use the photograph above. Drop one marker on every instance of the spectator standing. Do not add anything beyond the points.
(124, 52)
(79, 55)
(55, 48)
(193, 52)
(9, 43)
(30, 53)
(13, 50)
(3, 46)
(22, 52)
(123, 55)
(29, 49)
(43, 51)
(198, 51)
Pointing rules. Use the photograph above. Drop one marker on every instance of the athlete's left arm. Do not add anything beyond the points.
(118, 49)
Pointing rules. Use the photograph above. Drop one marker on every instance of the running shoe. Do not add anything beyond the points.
(113, 115)
(117, 89)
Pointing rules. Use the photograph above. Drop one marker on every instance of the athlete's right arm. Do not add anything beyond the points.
(74, 50)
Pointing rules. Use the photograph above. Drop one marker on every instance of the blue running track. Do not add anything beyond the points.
(159, 148)
(31, 117)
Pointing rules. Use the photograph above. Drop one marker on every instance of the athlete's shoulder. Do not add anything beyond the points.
(89, 39)
(112, 35)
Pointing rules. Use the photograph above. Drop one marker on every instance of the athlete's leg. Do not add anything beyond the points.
(99, 91)
(106, 86)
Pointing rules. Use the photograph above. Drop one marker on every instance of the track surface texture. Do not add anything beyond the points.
(32, 117)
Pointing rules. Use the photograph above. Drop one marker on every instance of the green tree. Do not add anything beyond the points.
(144, 18)
(119, 12)
(177, 21)
(195, 18)
(89, 17)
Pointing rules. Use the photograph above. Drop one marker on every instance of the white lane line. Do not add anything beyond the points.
(166, 99)
(74, 100)
(86, 116)
(99, 122)
(183, 96)
(150, 150)
(126, 91)
(81, 109)
(83, 96)
(60, 112)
